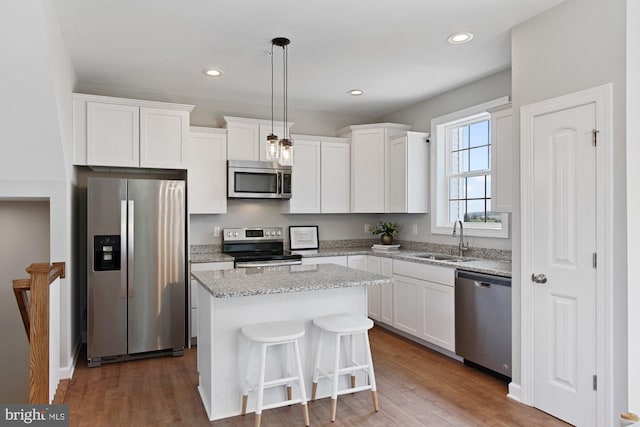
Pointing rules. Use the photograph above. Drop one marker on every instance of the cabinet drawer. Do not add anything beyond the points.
(204, 266)
(432, 273)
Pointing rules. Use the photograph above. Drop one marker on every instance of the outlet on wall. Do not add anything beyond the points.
(367, 228)
(216, 231)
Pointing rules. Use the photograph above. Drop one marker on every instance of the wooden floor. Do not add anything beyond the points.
(416, 387)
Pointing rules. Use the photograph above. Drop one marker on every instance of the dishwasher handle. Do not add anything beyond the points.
(482, 284)
(482, 279)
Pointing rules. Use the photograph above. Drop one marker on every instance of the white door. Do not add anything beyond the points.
(564, 243)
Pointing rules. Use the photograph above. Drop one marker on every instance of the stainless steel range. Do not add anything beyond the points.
(257, 247)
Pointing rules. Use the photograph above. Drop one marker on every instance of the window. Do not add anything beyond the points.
(462, 173)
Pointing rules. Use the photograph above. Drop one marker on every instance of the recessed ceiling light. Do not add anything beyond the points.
(459, 38)
(212, 72)
(355, 92)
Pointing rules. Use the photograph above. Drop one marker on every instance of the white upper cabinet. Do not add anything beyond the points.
(320, 175)
(164, 138)
(247, 138)
(305, 177)
(407, 183)
(502, 159)
(335, 176)
(121, 132)
(113, 135)
(370, 167)
(207, 171)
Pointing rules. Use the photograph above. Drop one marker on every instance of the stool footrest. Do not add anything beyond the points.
(354, 389)
(281, 404)
(280, 381)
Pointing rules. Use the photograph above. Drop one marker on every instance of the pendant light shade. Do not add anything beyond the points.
(285, 145)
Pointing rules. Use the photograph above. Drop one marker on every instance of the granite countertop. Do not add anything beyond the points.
(478, 265)
(285, 279)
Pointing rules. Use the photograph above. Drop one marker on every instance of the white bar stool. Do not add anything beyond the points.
(342, 325)
(273, 334)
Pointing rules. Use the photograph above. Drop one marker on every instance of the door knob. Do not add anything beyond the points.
(539, 278)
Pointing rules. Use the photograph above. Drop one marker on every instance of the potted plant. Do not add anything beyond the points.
(386, 230)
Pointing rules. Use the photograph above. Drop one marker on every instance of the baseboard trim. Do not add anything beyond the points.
(515, 392)
(66, 372)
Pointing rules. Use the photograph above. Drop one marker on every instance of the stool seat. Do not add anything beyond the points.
(345, 323)
(270, 332)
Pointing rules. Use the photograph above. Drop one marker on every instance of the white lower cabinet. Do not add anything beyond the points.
(204, 266)
(380, 297)
(423, 302)
(340, 260)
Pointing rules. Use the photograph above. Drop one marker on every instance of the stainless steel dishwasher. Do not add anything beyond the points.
(483, 320)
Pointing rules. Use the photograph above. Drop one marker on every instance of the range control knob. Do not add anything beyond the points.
(279, 232)
(235, 234)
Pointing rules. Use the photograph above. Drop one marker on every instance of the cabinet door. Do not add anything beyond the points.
(335, 177)
(397, 162)
(386, 292)
(207, 172)
(265, 130)
(243, 141)
(407, 304)
(368, 170)
(501, 161)
(374, 291)
(359, 262)
(164, 138)
(439, 315)
(113, 135)
(305, 178)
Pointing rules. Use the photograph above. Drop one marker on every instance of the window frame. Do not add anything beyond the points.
(440, 157)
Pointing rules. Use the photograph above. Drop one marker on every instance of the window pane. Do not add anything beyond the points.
(457, 188)
(456, 210)
(494, 217)
(479, 158)
(475, 211)
(479, 134)
(476, 187)
(465, 137)
(460, 161)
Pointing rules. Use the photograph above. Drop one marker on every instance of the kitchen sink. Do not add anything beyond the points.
(441, 257)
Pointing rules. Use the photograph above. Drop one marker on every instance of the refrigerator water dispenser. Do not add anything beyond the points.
(106, 253)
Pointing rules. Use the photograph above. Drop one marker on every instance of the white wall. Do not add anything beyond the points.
(35, 131)
(28, 224)
(420, 115)
(633, 202)
(243, 213)
(577, 45)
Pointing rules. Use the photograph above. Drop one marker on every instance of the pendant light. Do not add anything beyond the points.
(273, 149)
(285, 157)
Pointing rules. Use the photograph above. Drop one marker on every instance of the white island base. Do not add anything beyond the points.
(222, 350)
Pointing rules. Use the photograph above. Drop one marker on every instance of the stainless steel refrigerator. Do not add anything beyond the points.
(136, 283)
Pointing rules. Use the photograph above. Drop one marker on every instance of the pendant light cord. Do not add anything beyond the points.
(284, 76)
(272, 89)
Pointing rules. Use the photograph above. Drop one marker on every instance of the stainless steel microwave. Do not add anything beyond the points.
(258, 180)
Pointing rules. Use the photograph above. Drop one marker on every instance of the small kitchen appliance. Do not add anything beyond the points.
(258, 180)
(257, 247)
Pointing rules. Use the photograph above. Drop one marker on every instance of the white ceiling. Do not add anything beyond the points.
(396, 51)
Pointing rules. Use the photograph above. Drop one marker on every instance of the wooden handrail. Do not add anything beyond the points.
(34, 310)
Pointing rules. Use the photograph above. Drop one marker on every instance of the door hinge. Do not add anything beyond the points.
(595, 382)
(594, 140)
(595, 260)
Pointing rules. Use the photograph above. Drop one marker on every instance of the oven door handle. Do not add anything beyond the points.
(254, 264)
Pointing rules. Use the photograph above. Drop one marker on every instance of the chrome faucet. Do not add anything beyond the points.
(461, 246)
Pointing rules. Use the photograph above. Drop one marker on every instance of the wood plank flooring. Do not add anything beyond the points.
(416, 387)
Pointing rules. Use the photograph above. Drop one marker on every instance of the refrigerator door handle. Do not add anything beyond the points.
(130, 249)
(123, 251)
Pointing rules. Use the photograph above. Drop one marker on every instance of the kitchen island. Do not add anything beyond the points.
(229, 299)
